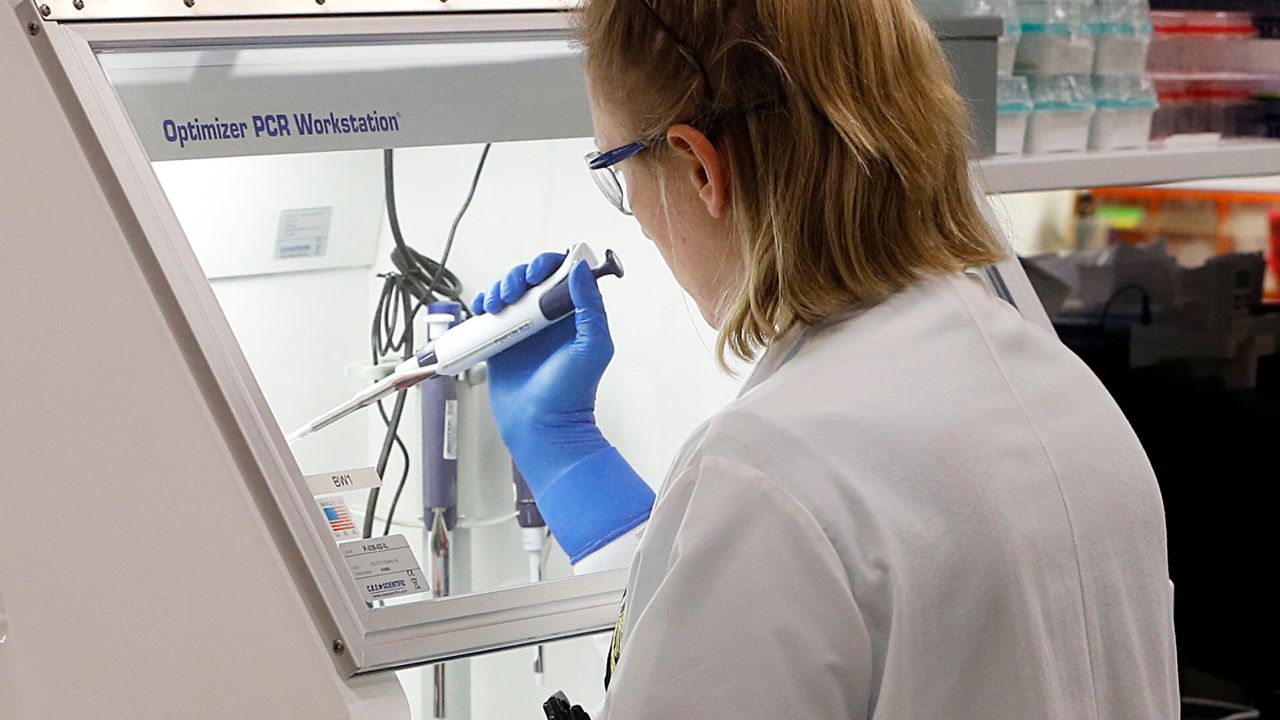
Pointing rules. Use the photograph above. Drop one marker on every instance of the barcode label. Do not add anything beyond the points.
(450, 430)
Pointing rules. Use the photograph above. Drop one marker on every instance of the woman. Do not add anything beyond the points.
(920, 505)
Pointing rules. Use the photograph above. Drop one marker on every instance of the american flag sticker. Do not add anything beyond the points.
(339, 518)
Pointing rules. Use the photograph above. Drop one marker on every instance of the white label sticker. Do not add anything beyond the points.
(343, 481)
(450, 444)
(303, 232)
(384, 567)
(339, 518)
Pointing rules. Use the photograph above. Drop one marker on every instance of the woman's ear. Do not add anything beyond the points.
(703, 165)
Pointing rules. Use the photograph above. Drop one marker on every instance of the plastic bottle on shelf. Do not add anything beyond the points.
(1009, 40)
(1125, 107)
(1212, 41)
(1013, 106)
(1064, 107)
(1056, 38)
(1122, 33)
(1165, 55)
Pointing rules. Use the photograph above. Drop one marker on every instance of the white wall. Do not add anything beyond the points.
(302, 331)
(298, 330)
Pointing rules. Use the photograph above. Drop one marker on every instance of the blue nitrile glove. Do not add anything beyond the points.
(543, 395)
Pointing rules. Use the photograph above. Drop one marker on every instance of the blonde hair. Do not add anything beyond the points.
(844, 138)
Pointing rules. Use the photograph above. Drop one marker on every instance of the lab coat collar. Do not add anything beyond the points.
(787, 346)
(774, 357)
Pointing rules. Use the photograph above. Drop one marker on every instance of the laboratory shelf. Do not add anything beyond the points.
(1129, 167)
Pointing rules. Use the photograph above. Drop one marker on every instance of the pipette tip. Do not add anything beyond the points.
(298, 434)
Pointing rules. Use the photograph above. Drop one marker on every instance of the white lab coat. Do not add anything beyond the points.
(929, 509)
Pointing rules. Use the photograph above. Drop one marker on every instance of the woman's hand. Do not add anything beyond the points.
(543, 390)
(543, 395)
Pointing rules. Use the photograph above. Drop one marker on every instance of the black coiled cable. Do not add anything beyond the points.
(423, 277)
(417, 277)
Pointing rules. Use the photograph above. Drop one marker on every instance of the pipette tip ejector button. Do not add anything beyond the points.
(612, 265)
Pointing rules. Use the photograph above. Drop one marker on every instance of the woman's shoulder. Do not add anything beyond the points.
(925, 383)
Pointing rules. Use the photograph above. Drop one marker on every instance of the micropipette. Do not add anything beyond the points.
(477, 339)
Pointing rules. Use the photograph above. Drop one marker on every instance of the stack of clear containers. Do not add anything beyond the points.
(1065, 66)
(1063, 110)
(1055, 56)
(1013, 106)
(1079, 56)
(1126, 97)
(1013, 101)
(1122, 34)
(1056, 38)
(1207, 68)
(1125, 106)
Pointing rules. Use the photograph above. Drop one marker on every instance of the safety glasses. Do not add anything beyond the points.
(603, 165)
(609, 178)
